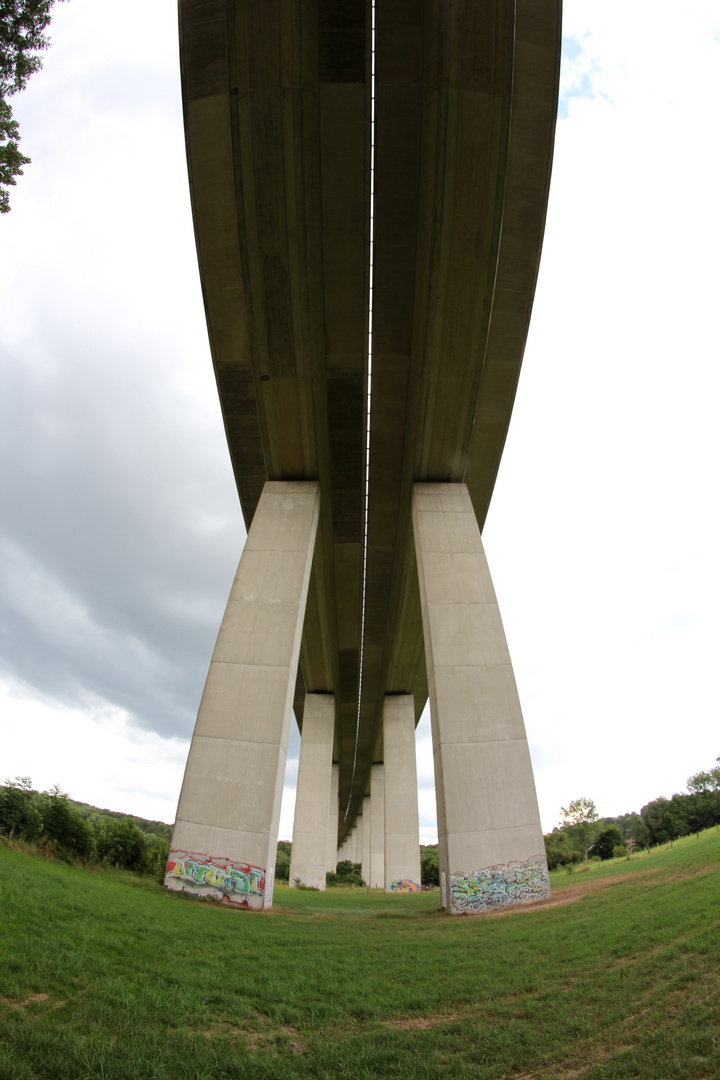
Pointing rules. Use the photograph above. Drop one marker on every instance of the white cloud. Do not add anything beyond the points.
(95, 755)
(602, 528)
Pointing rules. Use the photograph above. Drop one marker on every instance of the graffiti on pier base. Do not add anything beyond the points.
(404, 885)
(235, 883)
(500, 886)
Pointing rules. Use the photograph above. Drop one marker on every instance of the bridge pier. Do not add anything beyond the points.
(491, 849)
(366, 835)
(225, 836)
(312, 800)
(402, 828)
(358, 831)
(333, 821)
(377, 827)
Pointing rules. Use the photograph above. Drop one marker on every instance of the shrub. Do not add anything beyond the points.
(64, 825)
(346, 873)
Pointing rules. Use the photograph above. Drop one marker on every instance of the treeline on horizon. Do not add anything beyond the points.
(64, 828)
(70, 830)
(583, 835)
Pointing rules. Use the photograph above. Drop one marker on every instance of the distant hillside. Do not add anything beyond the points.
(92, 813)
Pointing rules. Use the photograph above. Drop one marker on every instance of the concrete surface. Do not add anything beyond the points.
(225, 832)
(488, 818)
(402, 827)
(312, 799)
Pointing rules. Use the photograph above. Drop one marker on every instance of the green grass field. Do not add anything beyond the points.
(618, 976)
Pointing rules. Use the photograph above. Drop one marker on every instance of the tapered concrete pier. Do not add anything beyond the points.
(491, 849)
(377, 827)
(366, 837)
(308, 857)
(225, 834)
(402, 831)
(333, 815)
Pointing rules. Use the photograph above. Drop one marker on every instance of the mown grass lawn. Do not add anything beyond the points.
(618, 976)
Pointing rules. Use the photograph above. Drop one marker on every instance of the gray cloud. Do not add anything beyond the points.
(120, 527)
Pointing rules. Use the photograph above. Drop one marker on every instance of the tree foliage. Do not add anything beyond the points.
(607, 840)
(121, 844)
(18, 809)
(282, 860)
(63, 825)
(76, 830)
(346, 873)
(429, 865)
(637, 831)
(560, 850)
(659, 822)
(578, 818)
(22, 37)
(703, 782)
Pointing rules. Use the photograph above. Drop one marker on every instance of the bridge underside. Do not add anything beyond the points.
(278, 109)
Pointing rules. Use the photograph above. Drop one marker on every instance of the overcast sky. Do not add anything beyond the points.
(120, 526)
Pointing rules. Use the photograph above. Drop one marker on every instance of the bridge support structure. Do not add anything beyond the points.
(377, 826)
(402, 829)
(308, 859)
(225, 836)
(333, 821)
(491, 850)
(366, 838)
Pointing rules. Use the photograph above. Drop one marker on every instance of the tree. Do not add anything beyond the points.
(559, 849)
(64, 825)
(18, 811)
(701, 781)
(157, 852)
(22, 37)
(654, 815)
(282, 860)
(578, 818)
(346, 873)
(638, 831)
(429, 866)
(121, 844)
(607, 840)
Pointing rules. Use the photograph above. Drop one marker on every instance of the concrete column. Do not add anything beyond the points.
(352, 846)
(377, 827)
(333, 817)
(359, 831)
(402, 827)
(367, 829)
(491, 848)
(225, 833)
(312, 799)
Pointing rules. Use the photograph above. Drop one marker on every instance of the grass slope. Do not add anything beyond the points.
(103, 975)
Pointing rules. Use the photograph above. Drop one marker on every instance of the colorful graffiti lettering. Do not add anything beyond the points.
(404, 885)
(235, 883)
(500, 886)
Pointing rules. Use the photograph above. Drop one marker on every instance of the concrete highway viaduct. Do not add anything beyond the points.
(369, 186)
